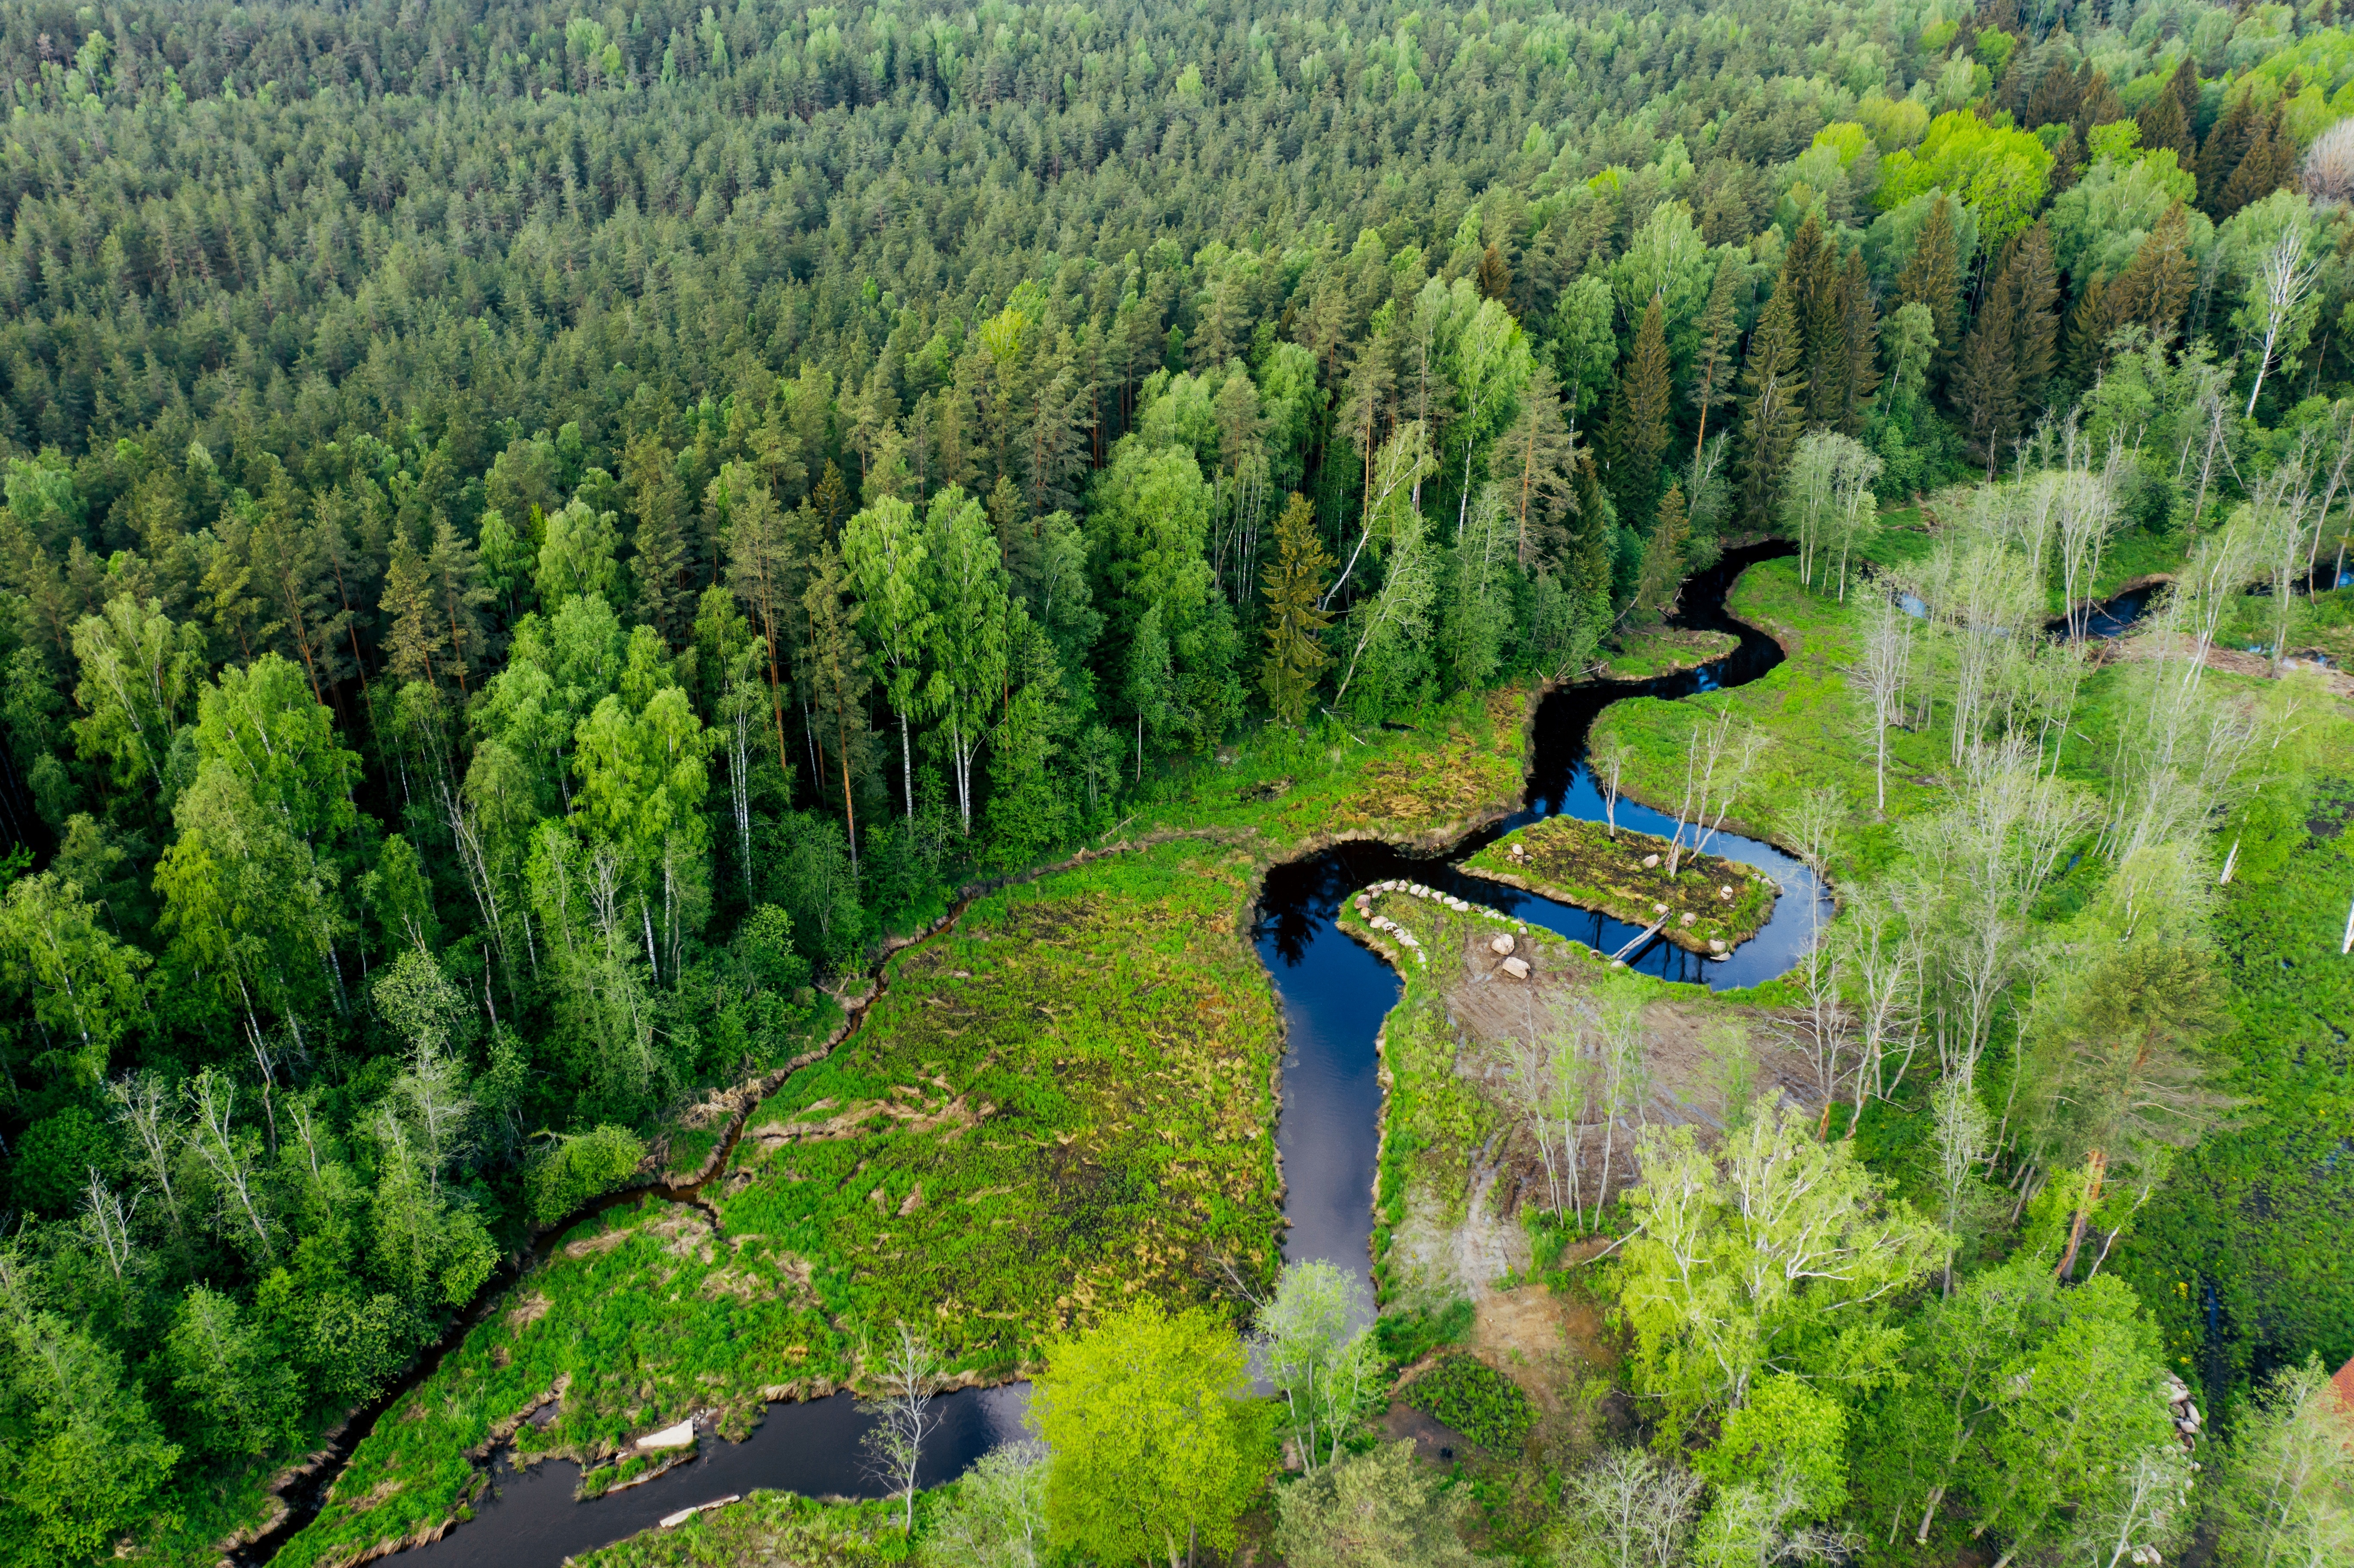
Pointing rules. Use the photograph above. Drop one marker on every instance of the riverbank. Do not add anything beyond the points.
(1709, 904)
(1067, 1095)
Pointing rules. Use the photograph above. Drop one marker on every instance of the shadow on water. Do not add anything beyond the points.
(529, 1518)
(1335, 992)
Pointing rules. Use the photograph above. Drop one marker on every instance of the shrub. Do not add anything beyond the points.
(1475, 1399)
(580, 1167)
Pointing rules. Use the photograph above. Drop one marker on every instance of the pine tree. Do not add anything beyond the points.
(408, 604)
(1773, 400)
(1985, 382)
(1859, 324)
(1531, 460)
(2184, 85)
(2055, 98)
(1933, 277)
(1639, 418)
(1718, 358)
(1294, 582)
(2099, 106)
(459, 595)
(2035, 315)
(838, 681)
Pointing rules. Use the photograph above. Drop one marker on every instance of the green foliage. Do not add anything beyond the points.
(580, 1168)
(2001, 174)
(1408, 1336)
(1476, 1399)
(1154, 1445)
(1381, 1509)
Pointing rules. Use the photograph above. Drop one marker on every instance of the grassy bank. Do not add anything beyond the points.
(1065, 1098)
(1664, 650)
(1710, 905)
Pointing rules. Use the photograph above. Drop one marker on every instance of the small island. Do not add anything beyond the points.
(1710, 905)
(1664, 650)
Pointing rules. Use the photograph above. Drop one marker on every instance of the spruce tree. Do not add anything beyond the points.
(2035, 315)
(1639, 418)
(2219, 155)
(1718, 358)
(1985, 382)
(2089, 327)
(1933, 277)
(2269, 163)
(1773, 396)
(2155, 288)
(657, 577)
(2164, 124)
(1662, 570)
(1859, 324)
(1294, 583)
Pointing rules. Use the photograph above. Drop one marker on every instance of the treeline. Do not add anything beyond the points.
(531, 539)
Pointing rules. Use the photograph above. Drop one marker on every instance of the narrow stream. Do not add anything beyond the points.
(1334, 994)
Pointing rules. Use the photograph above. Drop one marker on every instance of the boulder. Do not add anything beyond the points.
(1689, 918)
(1501, 945)
(1724, 892)
(1516, 968)
(1658, 908)
(1650, 863)
(1714, 946)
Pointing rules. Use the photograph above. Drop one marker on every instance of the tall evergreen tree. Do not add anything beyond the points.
(1532, 459)
(1717, 359)
(658, 574)
(1985, 382)
(2035, 281)
(2165, 125)
(1932, 276)
(1294, 585)
(1639, 417)
(1774, 397)
(2155, 288)
(1860, 331)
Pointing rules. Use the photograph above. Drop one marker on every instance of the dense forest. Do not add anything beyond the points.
(534, 542)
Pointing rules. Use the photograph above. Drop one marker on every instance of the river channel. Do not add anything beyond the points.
(1334, 994)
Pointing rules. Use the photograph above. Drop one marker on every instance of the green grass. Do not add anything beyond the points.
(1664, 650)
(776, 1528)
(1065, 1101)
(1625, 877)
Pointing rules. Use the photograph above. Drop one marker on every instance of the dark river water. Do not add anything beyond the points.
(1334, 994)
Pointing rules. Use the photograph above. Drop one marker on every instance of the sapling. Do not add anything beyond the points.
(903, 1376)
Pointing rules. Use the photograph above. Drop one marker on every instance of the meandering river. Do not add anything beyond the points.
(1334, 994)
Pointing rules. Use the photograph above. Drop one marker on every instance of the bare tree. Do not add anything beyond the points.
(902, 1412)
(2286, 273)
(107, 1219)
(1608, 766)
(145, 1106)
(1961, 1133)
(1635, 1509)
(1614, 1016)
(224, 1154)
(1885, 673)
(1886, 958)
(1716, 766)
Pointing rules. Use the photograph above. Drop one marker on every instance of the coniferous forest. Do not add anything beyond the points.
(547, 552)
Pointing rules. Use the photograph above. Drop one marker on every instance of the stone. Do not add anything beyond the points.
(1658, 908)
(1501, 945)
(1651, 862)
(1516, 968)
(1714, 946)
(1689, 918)
(1724, 892)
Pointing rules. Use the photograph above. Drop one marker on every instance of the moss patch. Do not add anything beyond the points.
(1648, 655)
(1711, 905)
